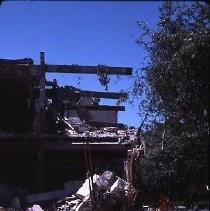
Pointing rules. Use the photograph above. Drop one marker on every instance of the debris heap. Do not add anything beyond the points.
(106, 192)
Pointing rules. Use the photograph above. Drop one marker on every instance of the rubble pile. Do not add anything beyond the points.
(105, 193)
(76, 128)
(35, 208)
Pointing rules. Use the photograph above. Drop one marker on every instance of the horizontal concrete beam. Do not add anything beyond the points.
(96, 107)
(87, 69)
(67, 94)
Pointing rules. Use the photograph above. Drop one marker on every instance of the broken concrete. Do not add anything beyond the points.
(84, 191)
(35, 208)
(105, 181)
(111, 193)
(44, 128)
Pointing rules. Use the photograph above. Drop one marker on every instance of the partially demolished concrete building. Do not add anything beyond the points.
(50, 135)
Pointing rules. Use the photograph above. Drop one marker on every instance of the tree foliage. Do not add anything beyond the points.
(174, 84)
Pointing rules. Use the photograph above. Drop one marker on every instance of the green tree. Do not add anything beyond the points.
(174, 84)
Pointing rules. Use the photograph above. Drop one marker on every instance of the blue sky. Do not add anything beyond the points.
(78, 32)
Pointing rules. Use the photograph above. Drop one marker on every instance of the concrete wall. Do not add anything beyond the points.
(104, 116)
(99, 116)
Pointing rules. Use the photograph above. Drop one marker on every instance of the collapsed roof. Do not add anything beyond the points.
(44, 126)
(30, 103)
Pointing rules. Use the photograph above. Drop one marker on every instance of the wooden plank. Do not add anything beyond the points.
(87, 69)
(95, 107)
